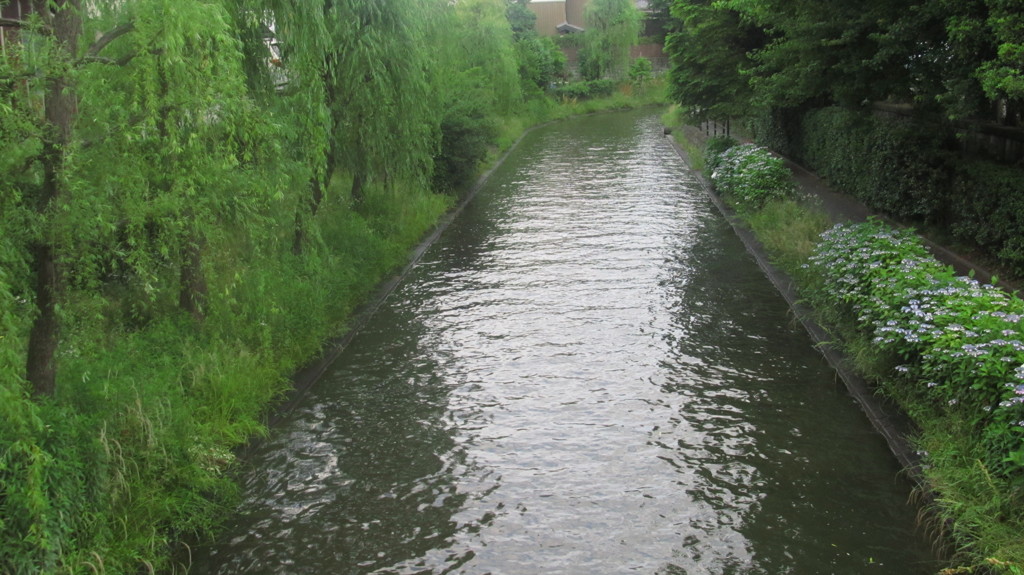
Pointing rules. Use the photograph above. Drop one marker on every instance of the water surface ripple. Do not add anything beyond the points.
(586, 375)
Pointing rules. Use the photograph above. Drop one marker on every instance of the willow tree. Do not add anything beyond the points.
(291, 82)
(378, 93)
(612, 28)
(482, 65)
(125, 154)
(178, 146)
(39, 112)
(1002, 77)
(476, 80)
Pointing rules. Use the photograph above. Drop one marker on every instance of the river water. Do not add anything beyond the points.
(586, 374)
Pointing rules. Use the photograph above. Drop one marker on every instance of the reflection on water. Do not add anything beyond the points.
(586, 375)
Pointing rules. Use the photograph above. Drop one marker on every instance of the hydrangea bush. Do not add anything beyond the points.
(958, 344)
(751, 176)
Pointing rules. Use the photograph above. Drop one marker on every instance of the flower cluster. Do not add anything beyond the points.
(959, 344)
(751, 176)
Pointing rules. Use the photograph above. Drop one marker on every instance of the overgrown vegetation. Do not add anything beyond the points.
(750, 176)
(612, 27)
(911, 170)
(913, 106)
(886, 101)
(946, 349)
(195, 195)
(950, 352)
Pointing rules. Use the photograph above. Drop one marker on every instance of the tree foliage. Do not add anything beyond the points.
(708, 46)
(194, 195)
(379, 95)
(963, 59)
(612, 28)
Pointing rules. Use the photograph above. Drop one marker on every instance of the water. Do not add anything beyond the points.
(587, 374)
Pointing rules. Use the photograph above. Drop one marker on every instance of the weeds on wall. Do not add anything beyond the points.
(950, 352)
(135, 452)
(957, 345)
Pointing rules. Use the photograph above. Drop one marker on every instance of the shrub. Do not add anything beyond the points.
(585, 90)
(713, 150)
(466, 135)
(899, 167)
(988, 200)
(640, 72)
(751, 176)
(958, 345)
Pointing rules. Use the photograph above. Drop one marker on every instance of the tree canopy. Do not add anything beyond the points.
(960, 58)
(612, 28)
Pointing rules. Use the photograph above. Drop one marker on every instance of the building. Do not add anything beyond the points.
(559, 17)
(14, 11)
(556, 17)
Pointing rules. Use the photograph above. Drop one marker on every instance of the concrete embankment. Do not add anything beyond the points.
(889, 422)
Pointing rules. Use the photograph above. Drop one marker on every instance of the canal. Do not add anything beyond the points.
(586, 374)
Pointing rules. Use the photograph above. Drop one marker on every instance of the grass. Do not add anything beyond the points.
(789, 231)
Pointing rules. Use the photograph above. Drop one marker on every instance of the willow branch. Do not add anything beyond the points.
(122, 61)
(12, 23)
(107, 38)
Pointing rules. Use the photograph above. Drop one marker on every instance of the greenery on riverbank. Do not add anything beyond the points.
(947, 350)
(915, 107)
(196, 194)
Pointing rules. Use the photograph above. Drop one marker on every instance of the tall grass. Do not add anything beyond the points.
(135, 451)
(789, 230)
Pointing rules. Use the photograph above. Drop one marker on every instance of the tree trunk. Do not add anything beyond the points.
(299, 239)
(357, 188)
(41, 364)
(316, 197)
(317, 185)
(61, 19)
(192, 286)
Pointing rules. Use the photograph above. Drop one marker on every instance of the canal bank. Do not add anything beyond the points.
(967, 496)
(888, 421)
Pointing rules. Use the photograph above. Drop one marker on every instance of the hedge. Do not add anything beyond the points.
(909, 169)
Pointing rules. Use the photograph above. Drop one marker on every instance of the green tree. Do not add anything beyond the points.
(522, 20)
(40, 111)
(384, 120)
(477, 79)
(708, 46)
(144, 136)
(541, 62)
(178, 144)
(824, 53)
(612, 28)
(1002, 77)
(482, 62)
(963, 59)
(293, 83)
(640, 72)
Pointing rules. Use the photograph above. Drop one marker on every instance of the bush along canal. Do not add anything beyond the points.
(586, 373)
